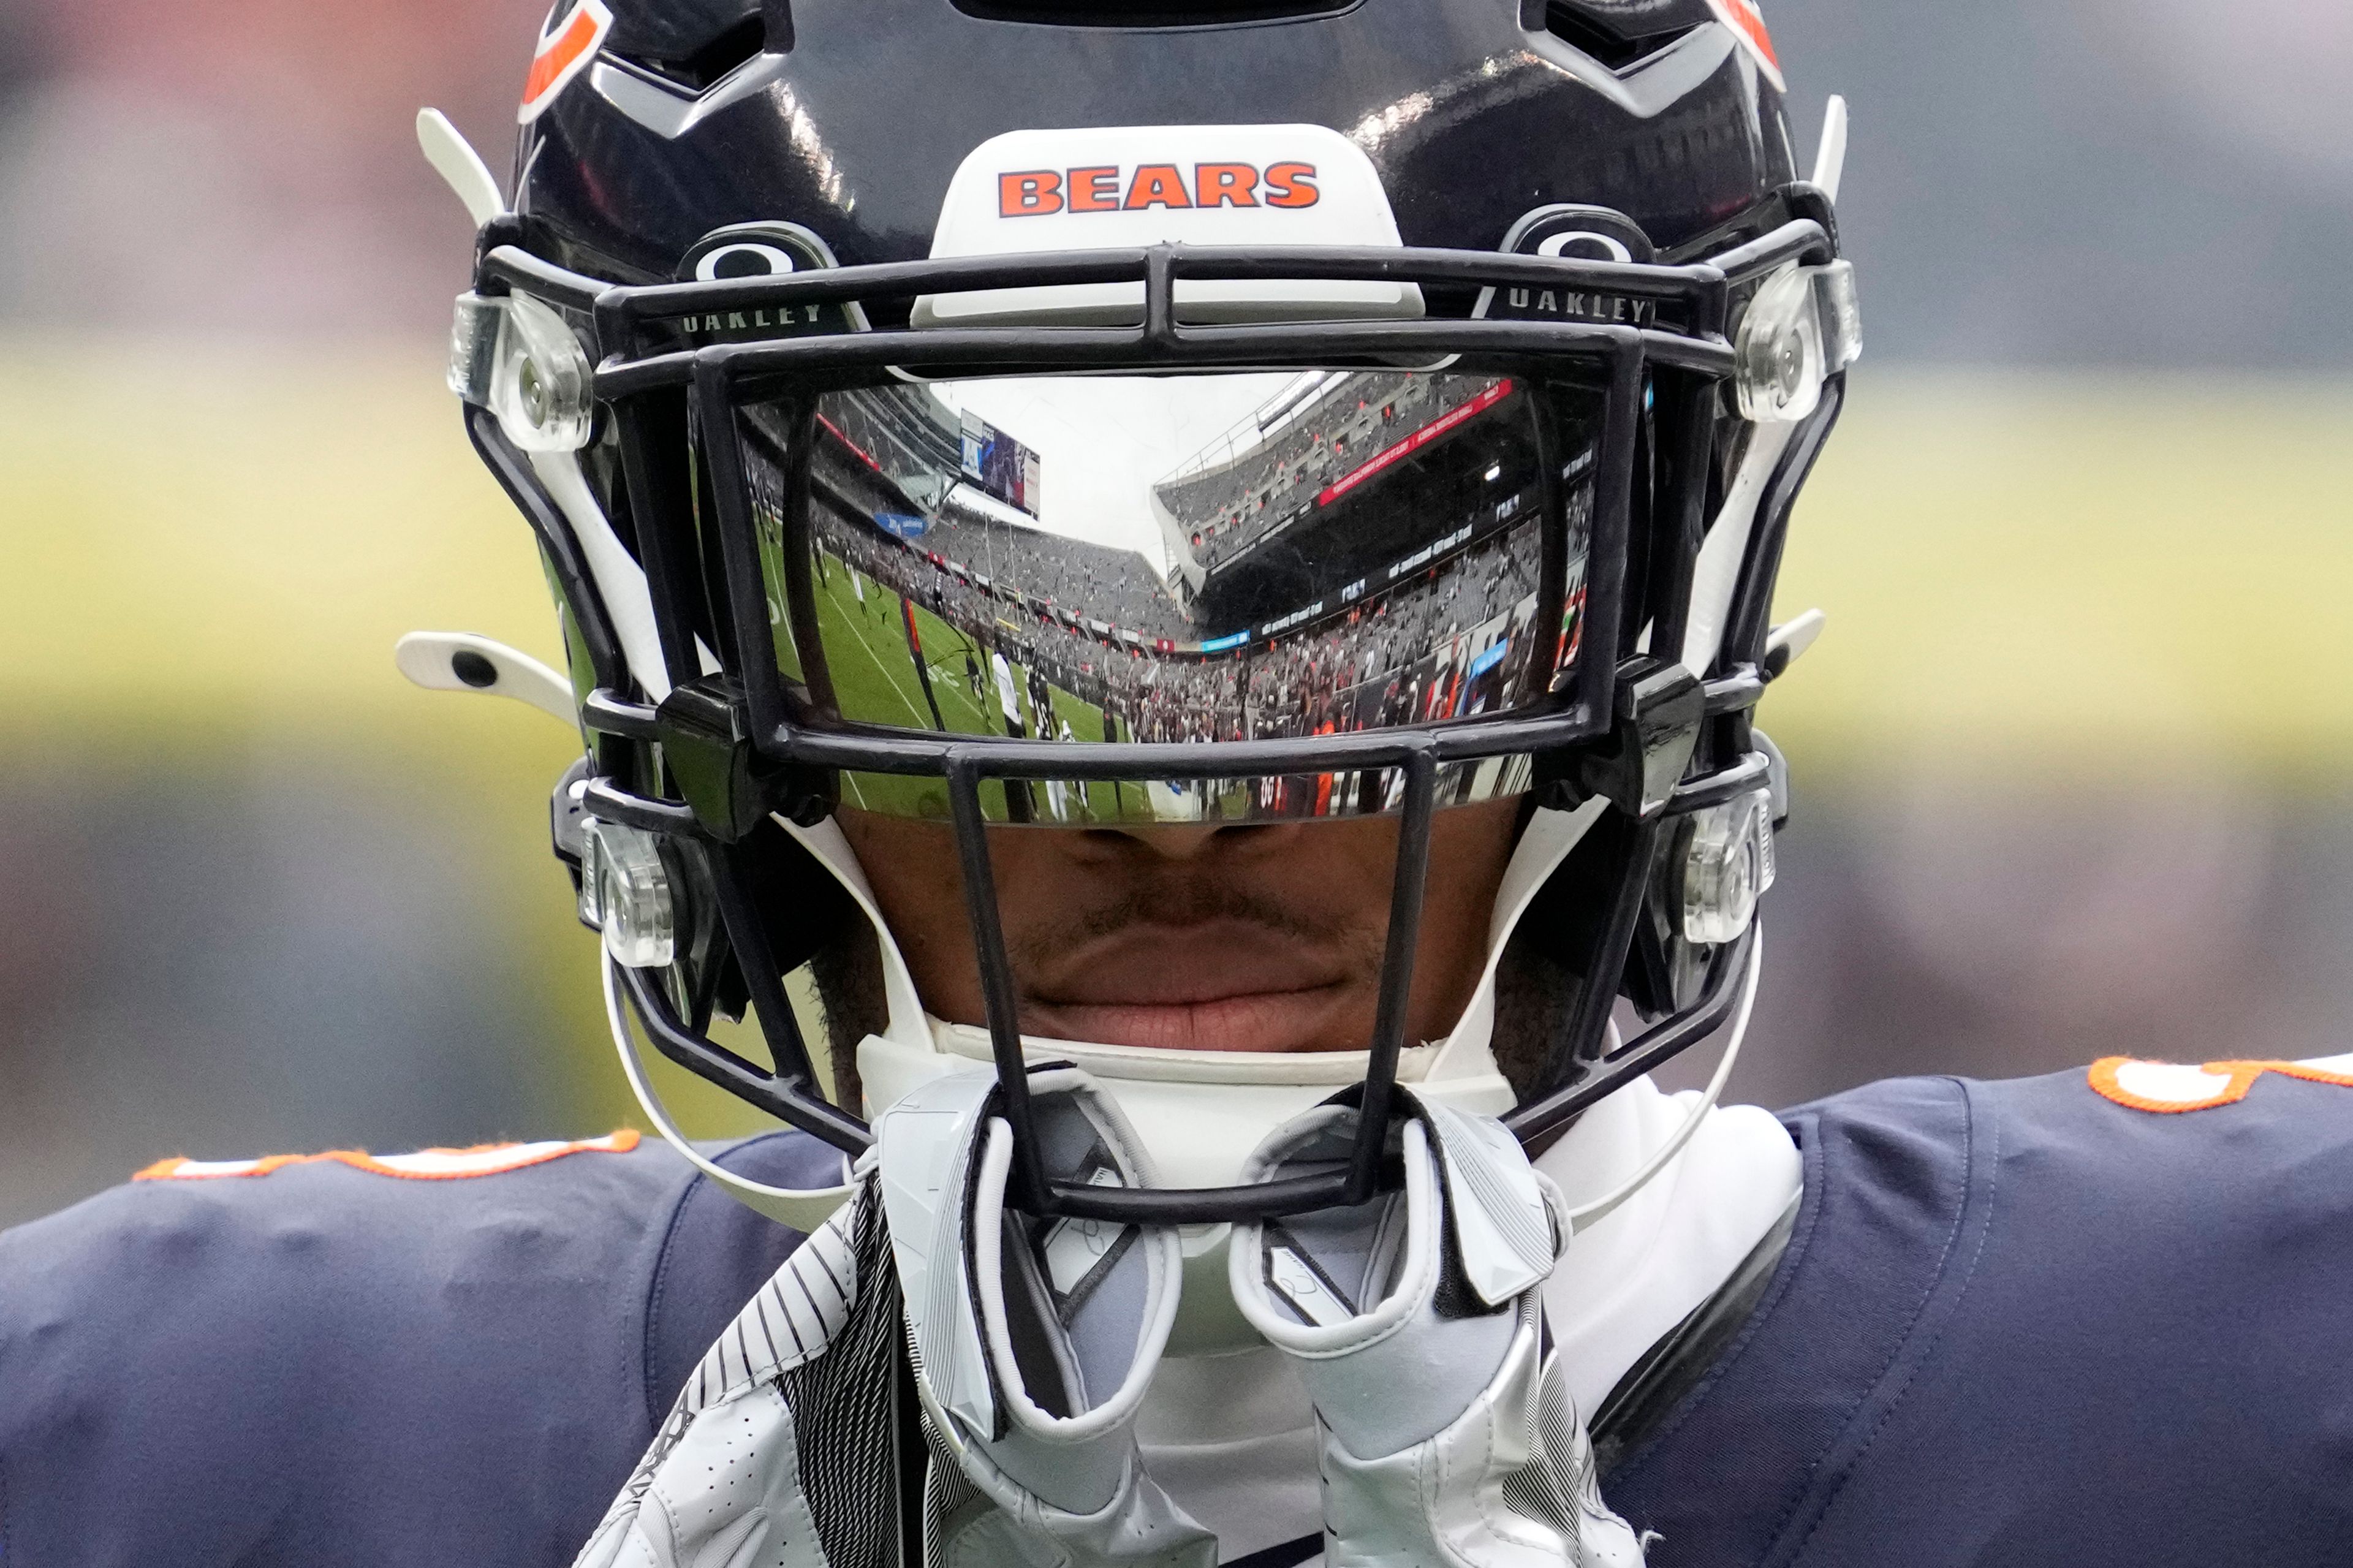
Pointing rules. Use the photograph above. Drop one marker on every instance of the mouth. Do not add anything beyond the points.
(1250, 1021)
(1223, 987)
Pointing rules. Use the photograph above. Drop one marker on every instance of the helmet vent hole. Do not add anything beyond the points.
(474, 670)
(702, 69)
(1589, 35)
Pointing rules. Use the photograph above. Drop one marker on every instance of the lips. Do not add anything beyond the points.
(1227, 985)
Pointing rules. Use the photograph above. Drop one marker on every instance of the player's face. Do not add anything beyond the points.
(1260, 938)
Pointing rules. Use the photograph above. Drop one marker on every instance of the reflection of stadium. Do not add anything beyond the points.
(1391, 578)
(1310, 443)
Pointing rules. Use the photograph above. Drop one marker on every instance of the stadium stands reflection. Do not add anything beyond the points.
(1357, 550)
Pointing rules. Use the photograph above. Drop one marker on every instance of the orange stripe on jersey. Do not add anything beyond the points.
(2170, 1087)
(424, 1165)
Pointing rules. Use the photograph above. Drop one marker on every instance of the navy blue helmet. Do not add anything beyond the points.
(1025, 414)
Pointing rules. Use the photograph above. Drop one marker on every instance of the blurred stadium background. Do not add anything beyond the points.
(2071, 759)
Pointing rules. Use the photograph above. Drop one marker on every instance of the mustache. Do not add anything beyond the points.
(1176, 902)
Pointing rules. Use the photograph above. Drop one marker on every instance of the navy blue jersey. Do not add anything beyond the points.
(2036, 1322)
(340, 1360)
(2027, 1323)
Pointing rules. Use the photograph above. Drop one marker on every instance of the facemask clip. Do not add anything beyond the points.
(1803, 325)
(519, 359)
(1727, 865)
(1660, 706)
(629, 889)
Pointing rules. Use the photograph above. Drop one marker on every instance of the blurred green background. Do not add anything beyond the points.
(2071, 759)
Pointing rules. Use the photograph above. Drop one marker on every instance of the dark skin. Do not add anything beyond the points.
(1266, 936)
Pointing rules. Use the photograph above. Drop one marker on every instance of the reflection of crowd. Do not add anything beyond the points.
(1226, 508)
(904, 435)
(900, 434)
(1400, 657)
(1114, 586)
(1076, 662)
(1447, 641)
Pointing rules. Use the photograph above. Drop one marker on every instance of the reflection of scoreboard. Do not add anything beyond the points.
(1000, 465)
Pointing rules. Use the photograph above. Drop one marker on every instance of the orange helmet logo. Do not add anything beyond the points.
(1108, 187)
(565, 49)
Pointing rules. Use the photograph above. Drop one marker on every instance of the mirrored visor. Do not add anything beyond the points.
(1179, 558)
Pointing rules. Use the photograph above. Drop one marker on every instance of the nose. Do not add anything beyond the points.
(1191, 843)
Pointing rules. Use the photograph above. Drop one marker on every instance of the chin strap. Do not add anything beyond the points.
(803, 1209)
(1587, 1215)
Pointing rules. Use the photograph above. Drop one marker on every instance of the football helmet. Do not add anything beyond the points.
(1027, 414)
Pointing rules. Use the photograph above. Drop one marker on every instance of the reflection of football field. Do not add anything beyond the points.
(875, 678)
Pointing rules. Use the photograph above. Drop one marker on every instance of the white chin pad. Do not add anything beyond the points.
(1201, 1113)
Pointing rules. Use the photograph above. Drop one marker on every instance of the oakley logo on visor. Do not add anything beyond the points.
(565, 47)
(1112, 187)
